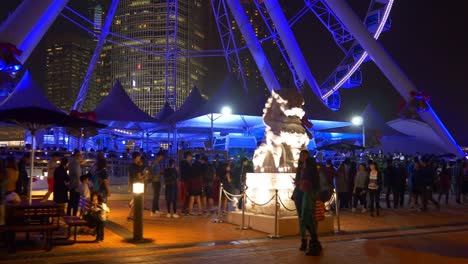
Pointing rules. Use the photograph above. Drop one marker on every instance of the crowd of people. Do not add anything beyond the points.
(421, 177)
(412, 182)
(195, 181)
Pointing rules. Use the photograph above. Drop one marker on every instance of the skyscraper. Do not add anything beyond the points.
(144, 74)
(253, 77)
(67, 58)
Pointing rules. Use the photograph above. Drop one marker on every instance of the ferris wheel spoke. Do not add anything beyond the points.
(253, 44)
(347, 74)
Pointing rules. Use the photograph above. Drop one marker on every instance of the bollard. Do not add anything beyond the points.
(243, 227)
(218, 218)
(138, 217)
(276, 235)
(337, 210)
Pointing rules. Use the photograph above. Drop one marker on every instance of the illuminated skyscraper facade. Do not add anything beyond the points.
(67, 58)
(143, 74)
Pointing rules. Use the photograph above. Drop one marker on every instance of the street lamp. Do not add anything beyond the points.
(359, 121)
(138, 190)
(225, 110)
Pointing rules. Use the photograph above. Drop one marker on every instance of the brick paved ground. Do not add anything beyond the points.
(404, 233)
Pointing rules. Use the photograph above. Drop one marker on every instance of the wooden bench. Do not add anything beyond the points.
(77, 221)
(39, 217)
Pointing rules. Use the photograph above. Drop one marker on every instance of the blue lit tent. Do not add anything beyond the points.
(27, 107)
(117, 110)
(247, 111)
(373, 123)
(193, 102)
(165, 113)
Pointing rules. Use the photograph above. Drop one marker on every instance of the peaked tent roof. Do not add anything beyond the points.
(165, 112)
(232, 94)
(118, 109)
(372, 121)
(193, 102)
(28, 94)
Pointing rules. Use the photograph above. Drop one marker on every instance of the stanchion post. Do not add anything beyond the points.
(337, 210)
(243, 227)
(218, 218)
(276, 235)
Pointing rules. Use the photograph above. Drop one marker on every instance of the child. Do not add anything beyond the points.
(170, 179)
(99, 210)
(84, 187)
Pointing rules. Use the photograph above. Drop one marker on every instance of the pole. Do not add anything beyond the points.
(243, 227)
(31, 166)
(337, 210)
(138, 217)
(363, 135)
(218, 219)
(276, 235)
(211, 132)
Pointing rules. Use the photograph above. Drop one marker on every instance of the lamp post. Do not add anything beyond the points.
(359, 121)
(138, 190)
(226, 110)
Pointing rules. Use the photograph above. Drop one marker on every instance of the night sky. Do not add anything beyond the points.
(427, 40)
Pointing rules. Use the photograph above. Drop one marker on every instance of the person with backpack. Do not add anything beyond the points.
(207, 189)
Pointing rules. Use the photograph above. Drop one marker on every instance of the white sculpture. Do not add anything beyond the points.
(285, 135)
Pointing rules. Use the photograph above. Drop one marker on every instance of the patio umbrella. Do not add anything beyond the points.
(28, 108)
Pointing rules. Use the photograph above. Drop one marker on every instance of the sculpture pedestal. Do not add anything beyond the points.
(287, 225)
(260, 205)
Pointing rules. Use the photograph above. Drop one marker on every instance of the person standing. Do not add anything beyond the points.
(135, 174)
(427, 178)
(61, 182)
(170, 180)
(297, 198)
(360, 188)
(342, 183)
(101, 184)
(156, 182)
(185, 168)
(51, 166)
(208, 177)
(195, 190)
(375, 179)
(391, 184)
(22, 185)
(11, 174)
(310, 186)
(444, 183)
(75, 171)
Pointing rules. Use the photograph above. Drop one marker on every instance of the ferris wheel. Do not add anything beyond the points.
(347, 74)
(357, 39)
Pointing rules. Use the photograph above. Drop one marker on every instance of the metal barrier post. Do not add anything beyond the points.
(337, 210)
(218, 218)
(243, 227)
(276, 235)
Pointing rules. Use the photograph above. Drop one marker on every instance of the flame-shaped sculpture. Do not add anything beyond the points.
(285, 135)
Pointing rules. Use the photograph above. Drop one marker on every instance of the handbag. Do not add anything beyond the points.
(319, 211)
